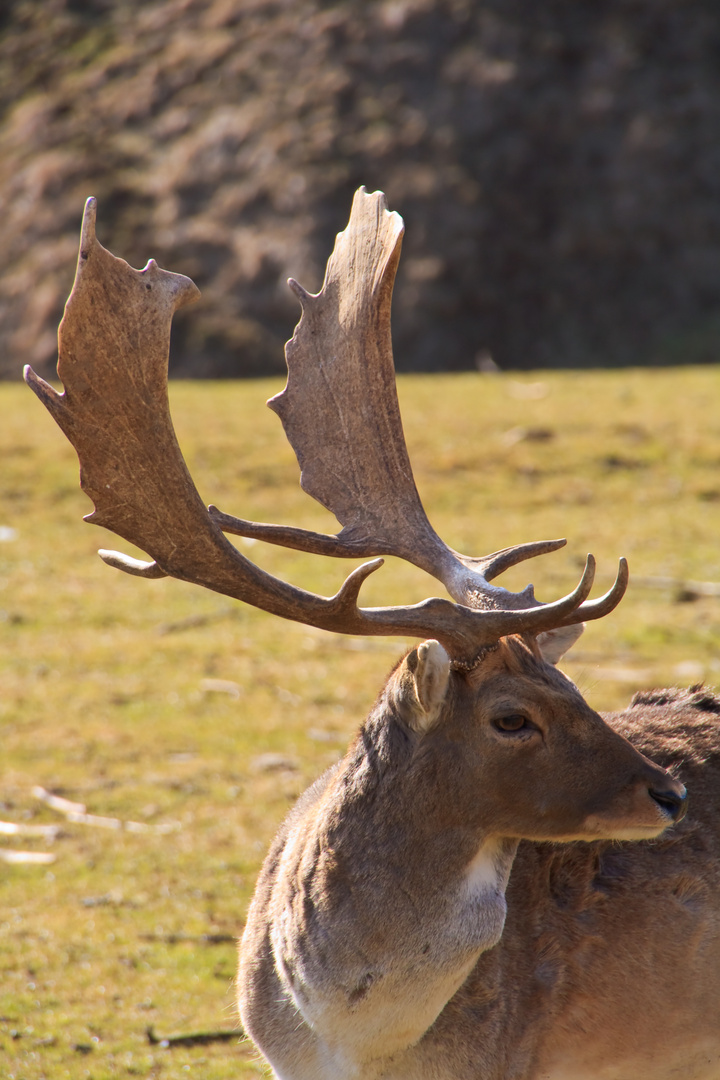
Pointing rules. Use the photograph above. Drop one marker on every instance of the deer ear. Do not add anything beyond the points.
(553, 644)
(422, 684)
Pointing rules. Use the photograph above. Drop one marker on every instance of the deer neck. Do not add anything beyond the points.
(399, 893)
(391, 817)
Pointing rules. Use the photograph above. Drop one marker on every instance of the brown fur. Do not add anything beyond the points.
(373, 948)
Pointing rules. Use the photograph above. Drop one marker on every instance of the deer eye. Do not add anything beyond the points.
(512, 722)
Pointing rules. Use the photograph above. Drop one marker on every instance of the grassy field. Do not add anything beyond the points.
(200, 721)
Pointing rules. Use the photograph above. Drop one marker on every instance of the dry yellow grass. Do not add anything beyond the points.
(156, 703)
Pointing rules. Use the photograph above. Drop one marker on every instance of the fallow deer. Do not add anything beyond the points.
(455, 899)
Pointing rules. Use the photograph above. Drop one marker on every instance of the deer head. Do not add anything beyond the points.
(537, 762)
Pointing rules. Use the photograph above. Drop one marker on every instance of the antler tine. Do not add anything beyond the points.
(114, 341)
(596, 609)
(341, 415)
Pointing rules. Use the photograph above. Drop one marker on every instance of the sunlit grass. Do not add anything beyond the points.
(157, 703)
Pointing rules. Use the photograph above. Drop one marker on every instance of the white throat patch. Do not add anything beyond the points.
(482, 874)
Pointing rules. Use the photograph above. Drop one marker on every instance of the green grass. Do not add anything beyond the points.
(110, 691)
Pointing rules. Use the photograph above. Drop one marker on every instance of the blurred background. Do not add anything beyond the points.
(557, 166)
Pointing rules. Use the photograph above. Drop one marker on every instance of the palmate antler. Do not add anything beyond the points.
(341, 415)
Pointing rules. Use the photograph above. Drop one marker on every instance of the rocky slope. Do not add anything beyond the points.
(557, 166)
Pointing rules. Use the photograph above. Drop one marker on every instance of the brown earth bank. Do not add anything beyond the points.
(557, 166)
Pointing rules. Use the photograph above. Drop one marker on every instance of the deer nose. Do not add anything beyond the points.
(673, 803)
